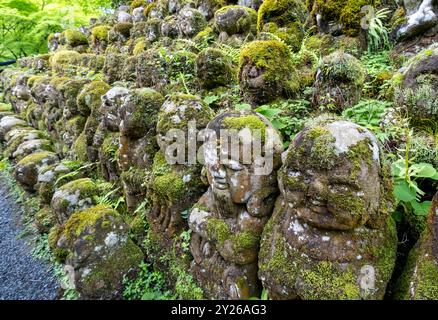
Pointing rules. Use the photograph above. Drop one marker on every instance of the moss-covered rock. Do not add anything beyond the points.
(74, 38)
(61, 61)
(416, 93)
(235, 20)
(139, 112)
(44, 220)
(99, 38)
(8, 123)
(89, 99)
(266, 72)
(99, 252)
(331, 235)
(73, 196)
(31, 146)
(214, 69)
(27, 169)
(51, 175)
(191, 22)
(339, 16)
(339, 82)
(419, 279)
(282, 12)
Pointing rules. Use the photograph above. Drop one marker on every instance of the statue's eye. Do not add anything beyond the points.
(234, 165)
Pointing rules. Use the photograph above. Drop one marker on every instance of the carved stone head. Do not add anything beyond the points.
(332, 176)
(236, 179)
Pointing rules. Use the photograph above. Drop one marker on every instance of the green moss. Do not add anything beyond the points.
(89, 99)
(123, 28)
(251, 122)
(79, 221)
(281, 12)
(75, 38)
(347, 12)
(266, 55)
(60, 254)
(5, 107)
(343, 67)
(322, 151)
(139, 47)
(137, 3)
(324, 282)
(80, 147)
(62, 59)
(220, 232)
(187, 107)
(36, 158)
(86, 186)
(244, 23)
(169, 186)
(100, 33)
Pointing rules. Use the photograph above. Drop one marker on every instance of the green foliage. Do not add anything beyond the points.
(148, 285)
(406, 174)
(369, 113)
(377, 33)
(26, 24)
(110, 196)
(288, 116)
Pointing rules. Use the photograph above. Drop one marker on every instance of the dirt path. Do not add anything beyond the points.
(22, 277)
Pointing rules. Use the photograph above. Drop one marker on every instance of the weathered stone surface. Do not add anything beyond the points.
(331, 235)
(417, 92)
(228, 220)
(419, 279)
(27, 169)
(338, 82)
(74, 196)
(174, 187)
(213, 69)
(235, 20)
(109, 110)
(265, 72)
(98, 252)
(420, 17)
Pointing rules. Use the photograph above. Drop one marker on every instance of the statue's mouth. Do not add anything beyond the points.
(220, 183)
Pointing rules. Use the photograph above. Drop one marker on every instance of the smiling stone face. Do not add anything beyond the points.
(331, 176)
(234, 177)
(331, 235)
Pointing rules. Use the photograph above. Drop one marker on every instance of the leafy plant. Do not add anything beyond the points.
(287, 116)
(406, 174)
(377, 33)
(148, 285)
(369, 113)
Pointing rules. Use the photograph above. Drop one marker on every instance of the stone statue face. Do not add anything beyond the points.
(111, 103)
(235, 180)
(331, 176)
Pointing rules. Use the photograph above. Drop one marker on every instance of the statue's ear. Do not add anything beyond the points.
(262, 202)
(204, 177)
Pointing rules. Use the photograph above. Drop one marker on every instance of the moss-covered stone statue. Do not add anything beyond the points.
(419, 280)
(339, 81)
(97, 251)
(213, 69)
(175, 187)
(266, 72)
(229, 218)
(331, 235)
(237, 21)
(138, 114)
(418, 85)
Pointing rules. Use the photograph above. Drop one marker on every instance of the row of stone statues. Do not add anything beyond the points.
(322, 232)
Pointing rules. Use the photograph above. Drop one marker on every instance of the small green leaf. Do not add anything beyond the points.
(423, 170)
(403, 193)
(421, 209)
